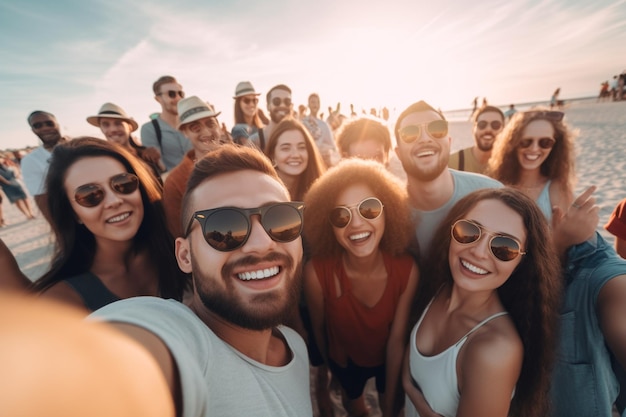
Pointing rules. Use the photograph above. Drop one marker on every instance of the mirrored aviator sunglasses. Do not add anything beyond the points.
(91, 195)
(369, 209)
(504, 248)
(228, 228)
(436, 129)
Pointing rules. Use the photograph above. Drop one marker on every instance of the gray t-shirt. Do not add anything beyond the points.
(427, 222)
(216, 379)
(173, 147)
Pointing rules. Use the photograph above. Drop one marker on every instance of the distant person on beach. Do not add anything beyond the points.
(535, 154)
(246, 111)
(554, 100)
(35, 164)
(279, 106)
(295, 157)
(11, 278)
(320, 131)
(604, 91)
(488, 312)
(488, 123)
(613, 87)
(14, 191)
(161, 132)
(510, 112)
(226, 353)
(423, 147)
(360, 280)
(474, 107)
(117, 127)
(203, 131)
(111, 241)
(617, 227)
(365, 138)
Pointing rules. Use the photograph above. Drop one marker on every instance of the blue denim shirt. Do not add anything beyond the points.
(583, 382)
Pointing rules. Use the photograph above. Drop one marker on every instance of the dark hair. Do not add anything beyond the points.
(361, 129)
(225, 159)
(37, 112)
(76, 246)
(558, 166)
(240, 118)
(487, 109)
(420, 106)
(165, 79)
(320, 200)
(315, 166)
(531, 295)
(276, 87)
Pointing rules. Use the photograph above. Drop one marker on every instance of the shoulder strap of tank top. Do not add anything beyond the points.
(479, 325)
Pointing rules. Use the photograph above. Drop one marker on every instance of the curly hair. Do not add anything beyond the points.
(315, 166)
(319, 201)
(558, 166)
(75, 246)
(531, 295)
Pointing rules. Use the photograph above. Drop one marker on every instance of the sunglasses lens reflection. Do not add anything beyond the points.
(370, 209)
(340, 217)
(89, 195)
(226, 229)
(502, 247)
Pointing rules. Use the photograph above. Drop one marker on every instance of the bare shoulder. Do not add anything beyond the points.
(62, 292)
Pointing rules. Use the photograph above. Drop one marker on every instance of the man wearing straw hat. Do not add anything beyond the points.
(161, 132)
(117, 126)
(199, 124)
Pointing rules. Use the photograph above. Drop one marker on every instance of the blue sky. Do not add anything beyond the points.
(69, 57)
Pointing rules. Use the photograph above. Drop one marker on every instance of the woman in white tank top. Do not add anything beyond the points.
(488, 312)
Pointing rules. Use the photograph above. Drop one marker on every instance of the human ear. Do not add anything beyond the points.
(183, 254)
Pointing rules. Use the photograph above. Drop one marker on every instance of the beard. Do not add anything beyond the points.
(484, 145)
(423, 175)
(259, 312)
(276, 117)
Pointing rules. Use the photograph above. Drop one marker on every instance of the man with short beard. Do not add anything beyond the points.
(227, 352)
(423, 147)
(35, 165)
(279, 105)
(488, 122)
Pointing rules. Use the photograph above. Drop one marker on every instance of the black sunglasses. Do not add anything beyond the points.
(39, 125)
(173, 93)
(277, 100)
(556, 116)
(544, 143)
(504, 248)
(228, 228)
(495, 124)
(248, 100)
(90, 195)
(370, 208)
(436, 129)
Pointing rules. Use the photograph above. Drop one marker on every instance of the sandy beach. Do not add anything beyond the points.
(601, 161)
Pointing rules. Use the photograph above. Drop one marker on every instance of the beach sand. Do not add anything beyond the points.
(601, 161)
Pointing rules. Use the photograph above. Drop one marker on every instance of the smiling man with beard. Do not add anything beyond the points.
(279, 105)
(226, 354)
(488, 122)
(423, 147)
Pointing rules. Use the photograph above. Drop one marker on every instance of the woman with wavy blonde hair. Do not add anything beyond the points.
(360, 281)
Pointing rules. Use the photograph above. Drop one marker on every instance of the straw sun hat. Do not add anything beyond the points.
(112, 111)
(193, 108)
(245, 88)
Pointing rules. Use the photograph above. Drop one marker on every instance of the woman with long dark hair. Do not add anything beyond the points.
(111, 236)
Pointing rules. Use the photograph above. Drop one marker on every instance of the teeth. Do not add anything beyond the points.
(473, 268)
(118, 218)
(260, 274)
(360, 236)
(532, 157)
(426, 153)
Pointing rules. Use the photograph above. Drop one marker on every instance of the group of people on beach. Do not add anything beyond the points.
(243, 260)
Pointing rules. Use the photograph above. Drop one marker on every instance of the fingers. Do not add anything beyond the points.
(584, 197)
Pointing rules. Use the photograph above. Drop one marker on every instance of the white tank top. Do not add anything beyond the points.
(436, 375)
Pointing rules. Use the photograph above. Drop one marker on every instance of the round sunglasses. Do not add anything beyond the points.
(436, 129)
(544, 143)
(495, 124)
(91, 195)
(228, 228)
(369, 209)
(504, 248)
